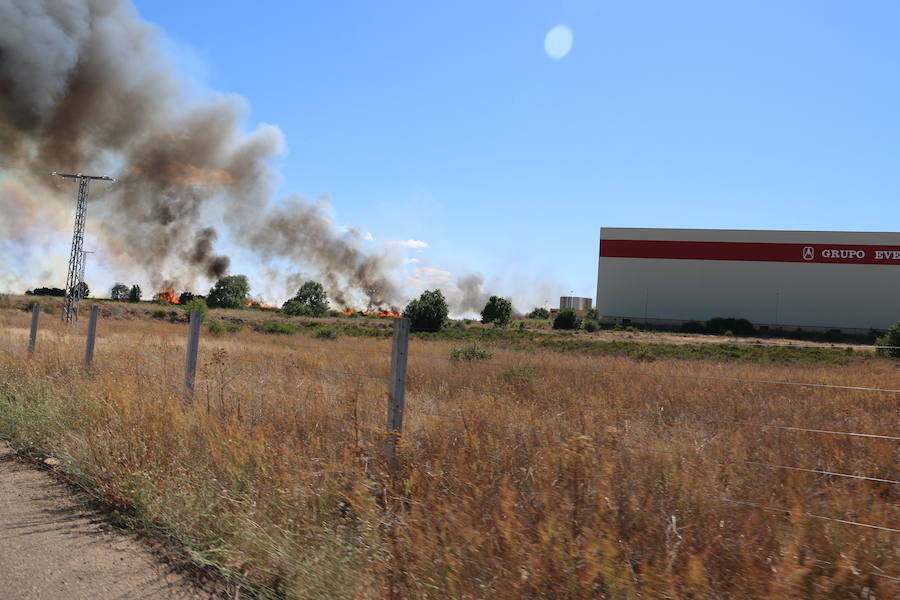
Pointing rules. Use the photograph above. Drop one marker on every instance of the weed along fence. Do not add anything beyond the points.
(808, 450)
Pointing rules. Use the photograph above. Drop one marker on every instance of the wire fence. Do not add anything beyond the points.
(387, 371)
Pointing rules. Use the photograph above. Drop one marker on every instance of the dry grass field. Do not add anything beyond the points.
(534, 474)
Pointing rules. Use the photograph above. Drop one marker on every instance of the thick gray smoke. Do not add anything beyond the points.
(472, 294)
(302, 231)
(85, 88)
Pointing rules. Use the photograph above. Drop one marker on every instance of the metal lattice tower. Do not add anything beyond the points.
(76, 257)
(80, 276)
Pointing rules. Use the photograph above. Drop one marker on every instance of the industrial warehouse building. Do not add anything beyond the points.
(775, 279)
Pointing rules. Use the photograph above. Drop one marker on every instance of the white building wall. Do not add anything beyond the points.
(800, 294)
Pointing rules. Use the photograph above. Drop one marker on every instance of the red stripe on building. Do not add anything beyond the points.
(752, 251)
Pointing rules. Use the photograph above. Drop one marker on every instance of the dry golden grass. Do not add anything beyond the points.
(533, 474)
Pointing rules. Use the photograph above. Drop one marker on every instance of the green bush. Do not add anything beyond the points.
(470, 352)
(223, 327)
(196, 304)
(229, 292)
(279, 327)
(538, 313)
(312, 297)
(295, 308)
(890, 338)
(497, 311)
(591, 326)
(327, 333)
(566, 319)
(159, 314)
(428, 312)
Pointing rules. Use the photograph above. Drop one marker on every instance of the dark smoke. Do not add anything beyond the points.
(202, 254)
(84, 87)
(302, 231)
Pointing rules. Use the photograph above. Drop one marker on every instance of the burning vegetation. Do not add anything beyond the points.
(260, 305)
(167, 295)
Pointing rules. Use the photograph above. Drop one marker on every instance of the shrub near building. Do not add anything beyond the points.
(497, 311)
(566, 319)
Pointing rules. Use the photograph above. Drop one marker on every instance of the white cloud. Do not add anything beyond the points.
(369, 237)
(411, 260)
(408, 243)
(431, 276)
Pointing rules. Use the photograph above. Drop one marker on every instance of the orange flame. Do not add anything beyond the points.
(168, 295)
(256, 304)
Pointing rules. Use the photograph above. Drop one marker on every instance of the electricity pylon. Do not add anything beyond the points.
(76, 257)
(79, 287)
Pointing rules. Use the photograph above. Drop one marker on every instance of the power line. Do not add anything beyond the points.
(76, 257)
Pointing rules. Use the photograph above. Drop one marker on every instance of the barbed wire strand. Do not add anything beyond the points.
(805, 514)
(832, 473)
(647, 413)
(761, 464)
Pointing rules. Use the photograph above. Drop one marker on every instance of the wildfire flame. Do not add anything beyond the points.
(256, 304)
(168, 295)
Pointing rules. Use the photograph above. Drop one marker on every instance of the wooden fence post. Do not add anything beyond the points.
(190, 366)
(91, 336)
(35, 315)
(397, 391)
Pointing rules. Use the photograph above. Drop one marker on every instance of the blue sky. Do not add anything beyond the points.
(449, 123)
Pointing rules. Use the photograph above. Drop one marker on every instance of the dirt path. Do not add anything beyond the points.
(53, 546)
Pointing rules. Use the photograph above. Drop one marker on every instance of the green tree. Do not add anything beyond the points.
(295, 308)
(229, 292)
(891, 339)
(119, 292)
(186, 297)
(196, 303)
(497, 311)
(135, 294)
(82, 290)
(566, 319)
(539, 313)
(311, 295)
(428, 312)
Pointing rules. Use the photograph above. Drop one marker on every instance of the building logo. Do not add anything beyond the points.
(808, 253)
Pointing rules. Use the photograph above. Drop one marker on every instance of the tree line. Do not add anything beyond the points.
(428, 312)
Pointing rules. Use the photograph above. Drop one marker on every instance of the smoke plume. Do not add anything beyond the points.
(472, 296)
(84, 87)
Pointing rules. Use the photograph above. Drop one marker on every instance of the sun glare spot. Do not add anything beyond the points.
(558, 41)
